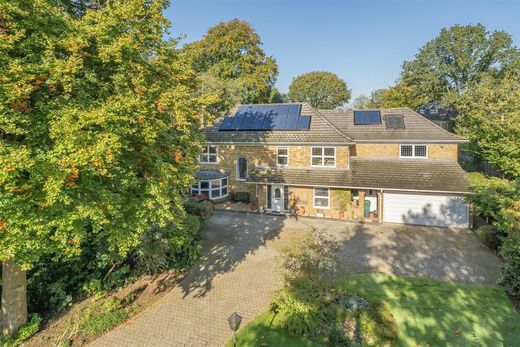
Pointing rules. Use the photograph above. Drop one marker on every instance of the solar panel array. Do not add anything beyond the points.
(267, 117)
(363, 117)
(395, 121)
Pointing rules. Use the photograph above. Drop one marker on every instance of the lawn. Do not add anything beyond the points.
(265, 330)
(427, 312)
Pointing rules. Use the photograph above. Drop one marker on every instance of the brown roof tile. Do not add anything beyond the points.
(417, 127)
(374, 173)
(321, 131)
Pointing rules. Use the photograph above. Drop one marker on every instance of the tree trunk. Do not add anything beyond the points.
(14, 298)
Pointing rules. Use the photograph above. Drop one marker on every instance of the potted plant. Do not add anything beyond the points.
(344, 198)
(254, 204)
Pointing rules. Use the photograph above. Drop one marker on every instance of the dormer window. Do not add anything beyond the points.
(413, 151)
(209, 155)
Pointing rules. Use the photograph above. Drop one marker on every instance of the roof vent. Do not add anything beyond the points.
(395, 121)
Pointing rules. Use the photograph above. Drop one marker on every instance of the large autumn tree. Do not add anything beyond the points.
(320, 89)
(98, 131)
(232, 66)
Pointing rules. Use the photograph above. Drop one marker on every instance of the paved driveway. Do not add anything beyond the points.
(237, 272)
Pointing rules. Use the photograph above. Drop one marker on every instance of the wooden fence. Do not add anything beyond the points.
(483, 165)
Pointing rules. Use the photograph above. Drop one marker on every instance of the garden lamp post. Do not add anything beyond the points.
(234, 323)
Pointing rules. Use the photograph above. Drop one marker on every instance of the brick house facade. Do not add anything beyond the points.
(336, 168)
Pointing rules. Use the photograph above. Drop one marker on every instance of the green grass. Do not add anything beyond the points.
(265, 330)
(427, 312)
(442, 314)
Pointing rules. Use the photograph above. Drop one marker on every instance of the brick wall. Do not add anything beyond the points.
(435, 151)
(299, 156)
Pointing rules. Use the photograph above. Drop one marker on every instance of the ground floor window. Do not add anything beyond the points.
(321, 198)
(213, 189)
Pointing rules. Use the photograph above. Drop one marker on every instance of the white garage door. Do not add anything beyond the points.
(424, 209)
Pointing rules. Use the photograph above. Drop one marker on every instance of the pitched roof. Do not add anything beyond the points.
(417, 128)
(321, 131)
(375, 173)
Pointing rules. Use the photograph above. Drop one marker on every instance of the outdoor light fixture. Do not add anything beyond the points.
(234, 323)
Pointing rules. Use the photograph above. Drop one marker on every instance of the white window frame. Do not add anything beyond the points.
(210, 188)
(208, 155)
(323, 156)
(278, 155)
(314, 197)
(238, 171)
(413, 151)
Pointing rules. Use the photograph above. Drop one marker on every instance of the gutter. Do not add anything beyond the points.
(365, 188)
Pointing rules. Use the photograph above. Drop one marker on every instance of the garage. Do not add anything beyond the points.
(425, 209)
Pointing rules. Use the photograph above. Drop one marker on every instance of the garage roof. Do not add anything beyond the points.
(389, 174)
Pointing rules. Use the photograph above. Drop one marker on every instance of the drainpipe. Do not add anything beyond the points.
(380, 206)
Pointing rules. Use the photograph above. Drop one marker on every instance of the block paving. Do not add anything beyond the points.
(237, 271)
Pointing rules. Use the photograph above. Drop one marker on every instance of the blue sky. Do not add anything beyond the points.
(363, 41)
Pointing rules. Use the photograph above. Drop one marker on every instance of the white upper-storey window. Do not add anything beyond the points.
(282, 156)
(413, 151)
(323, 156)
(209, 155)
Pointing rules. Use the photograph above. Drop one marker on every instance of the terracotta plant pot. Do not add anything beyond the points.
(341, 214)
(254, 207)
(301, 210)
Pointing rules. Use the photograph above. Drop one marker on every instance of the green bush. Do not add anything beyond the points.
(489, 236)
(303, 309)
(203, 209)
(24, 332)
(175, 246)
(510, 251)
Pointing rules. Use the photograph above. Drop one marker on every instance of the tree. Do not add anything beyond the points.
(399, 95)
(320, 89)
(376, 98)
(452, 63)
(276, 97)
(490, 119)
(232, 66)
(360, 102)
(99, 131)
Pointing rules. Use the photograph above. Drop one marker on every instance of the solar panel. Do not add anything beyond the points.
(395, 122)
(258, 121)
(267, 117)
(226, 124)
(281, 118)
(362, 117)
(269, 120)
(249, 117)
(292, 117)
(304, 123)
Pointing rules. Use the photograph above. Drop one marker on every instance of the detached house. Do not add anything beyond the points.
(388, 165)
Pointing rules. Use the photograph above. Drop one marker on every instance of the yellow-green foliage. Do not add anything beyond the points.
(99, 126)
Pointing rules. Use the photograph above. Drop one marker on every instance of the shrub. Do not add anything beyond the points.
(488, 235)
(24, 332)
(175, 246)
(303, 308)
(314, 255)
(510, 250)
(203, 209)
